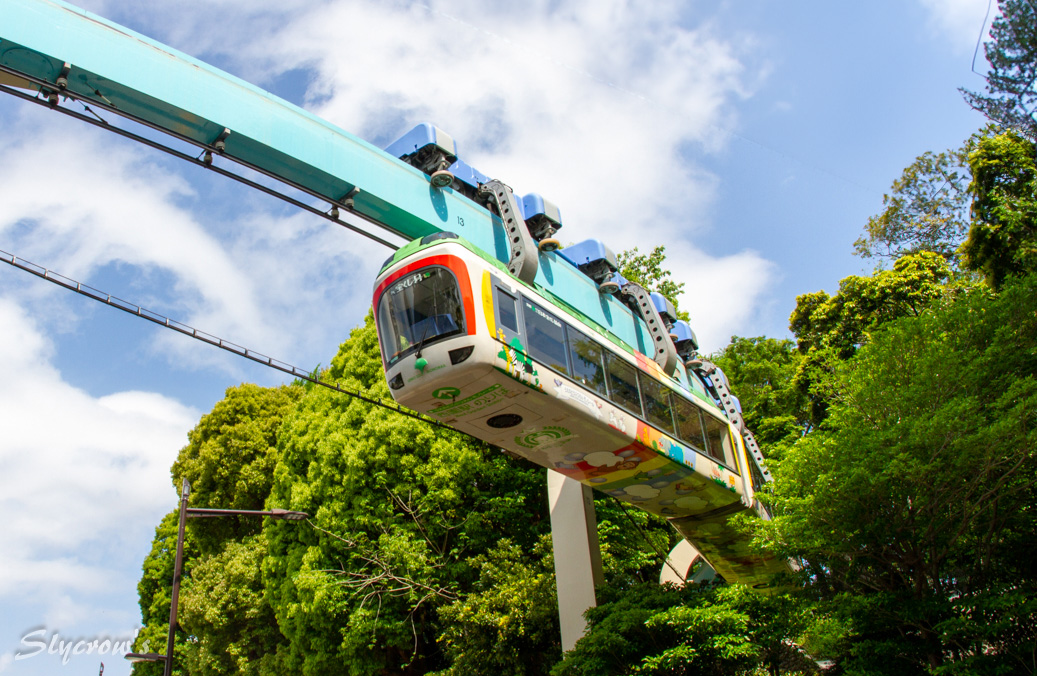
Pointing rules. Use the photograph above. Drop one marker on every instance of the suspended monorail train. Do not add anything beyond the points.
(554, 367)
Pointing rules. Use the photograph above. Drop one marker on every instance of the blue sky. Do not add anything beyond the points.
(752, 138)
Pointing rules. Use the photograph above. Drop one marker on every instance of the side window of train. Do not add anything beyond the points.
(507, 314)
(586, 358)
(689, 424)
(657, 398)
(758, 480)
(719, 441)
(622, 379)
(544, 337)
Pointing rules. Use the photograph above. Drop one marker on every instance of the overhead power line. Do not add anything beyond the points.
(161, 320)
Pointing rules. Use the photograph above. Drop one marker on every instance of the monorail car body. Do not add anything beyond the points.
(509, 363)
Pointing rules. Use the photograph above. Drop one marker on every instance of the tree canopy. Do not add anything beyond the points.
(1011, 91)
(650, 272)
(426, 552)
(908, 505)
(1003, 238)
(927, 209)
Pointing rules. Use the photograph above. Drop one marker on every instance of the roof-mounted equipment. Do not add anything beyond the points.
(524, 262)
(665, 308)
(595, 260)
(684, 339)
(543, 219)
(429, 149)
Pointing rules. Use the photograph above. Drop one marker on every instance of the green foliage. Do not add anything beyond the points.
(224, 608)
(229, 462)
(909, 507)
(648, 271)
(830, 329)
(508, 624)
(842, 322)
(656, 630)
(926, 210)
(1003, 239)
(634, 543)
(406, 518)
(230, 459)
(1012, 54)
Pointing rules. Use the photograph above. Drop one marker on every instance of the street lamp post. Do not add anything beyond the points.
(197, 512)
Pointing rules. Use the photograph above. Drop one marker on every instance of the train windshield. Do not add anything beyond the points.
(418, 310)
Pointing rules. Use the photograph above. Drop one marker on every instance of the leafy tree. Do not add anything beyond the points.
(842, 322)
(504, 624)
(687, 631)
(1012, 54)
(229, 461)
(909, 506)
(426, 552)
(634, 543)
(406, 517)
(224, 609)
(926, 210)
(830, 329)
(1003, 238)
(230, 457)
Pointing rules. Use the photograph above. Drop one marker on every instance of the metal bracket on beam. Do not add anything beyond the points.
(62, 80)
(524, 261)
(348, 199)
(220, 144)
(664, 353)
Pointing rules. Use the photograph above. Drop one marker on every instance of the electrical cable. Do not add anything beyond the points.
(155, 318)
(979, 38)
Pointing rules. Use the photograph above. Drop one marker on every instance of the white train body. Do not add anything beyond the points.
(466, 343)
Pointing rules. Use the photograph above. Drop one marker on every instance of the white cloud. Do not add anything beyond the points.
(960, 21)
(234, 270)
(82, 477)
(721, 292)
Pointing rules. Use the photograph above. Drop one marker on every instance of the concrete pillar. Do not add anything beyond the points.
(574, 538)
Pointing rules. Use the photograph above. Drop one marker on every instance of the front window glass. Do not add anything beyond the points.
(418, 309)
(586, 360)
(545, 337)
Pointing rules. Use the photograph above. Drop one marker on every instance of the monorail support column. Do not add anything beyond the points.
(679, 563)
(574, 537)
